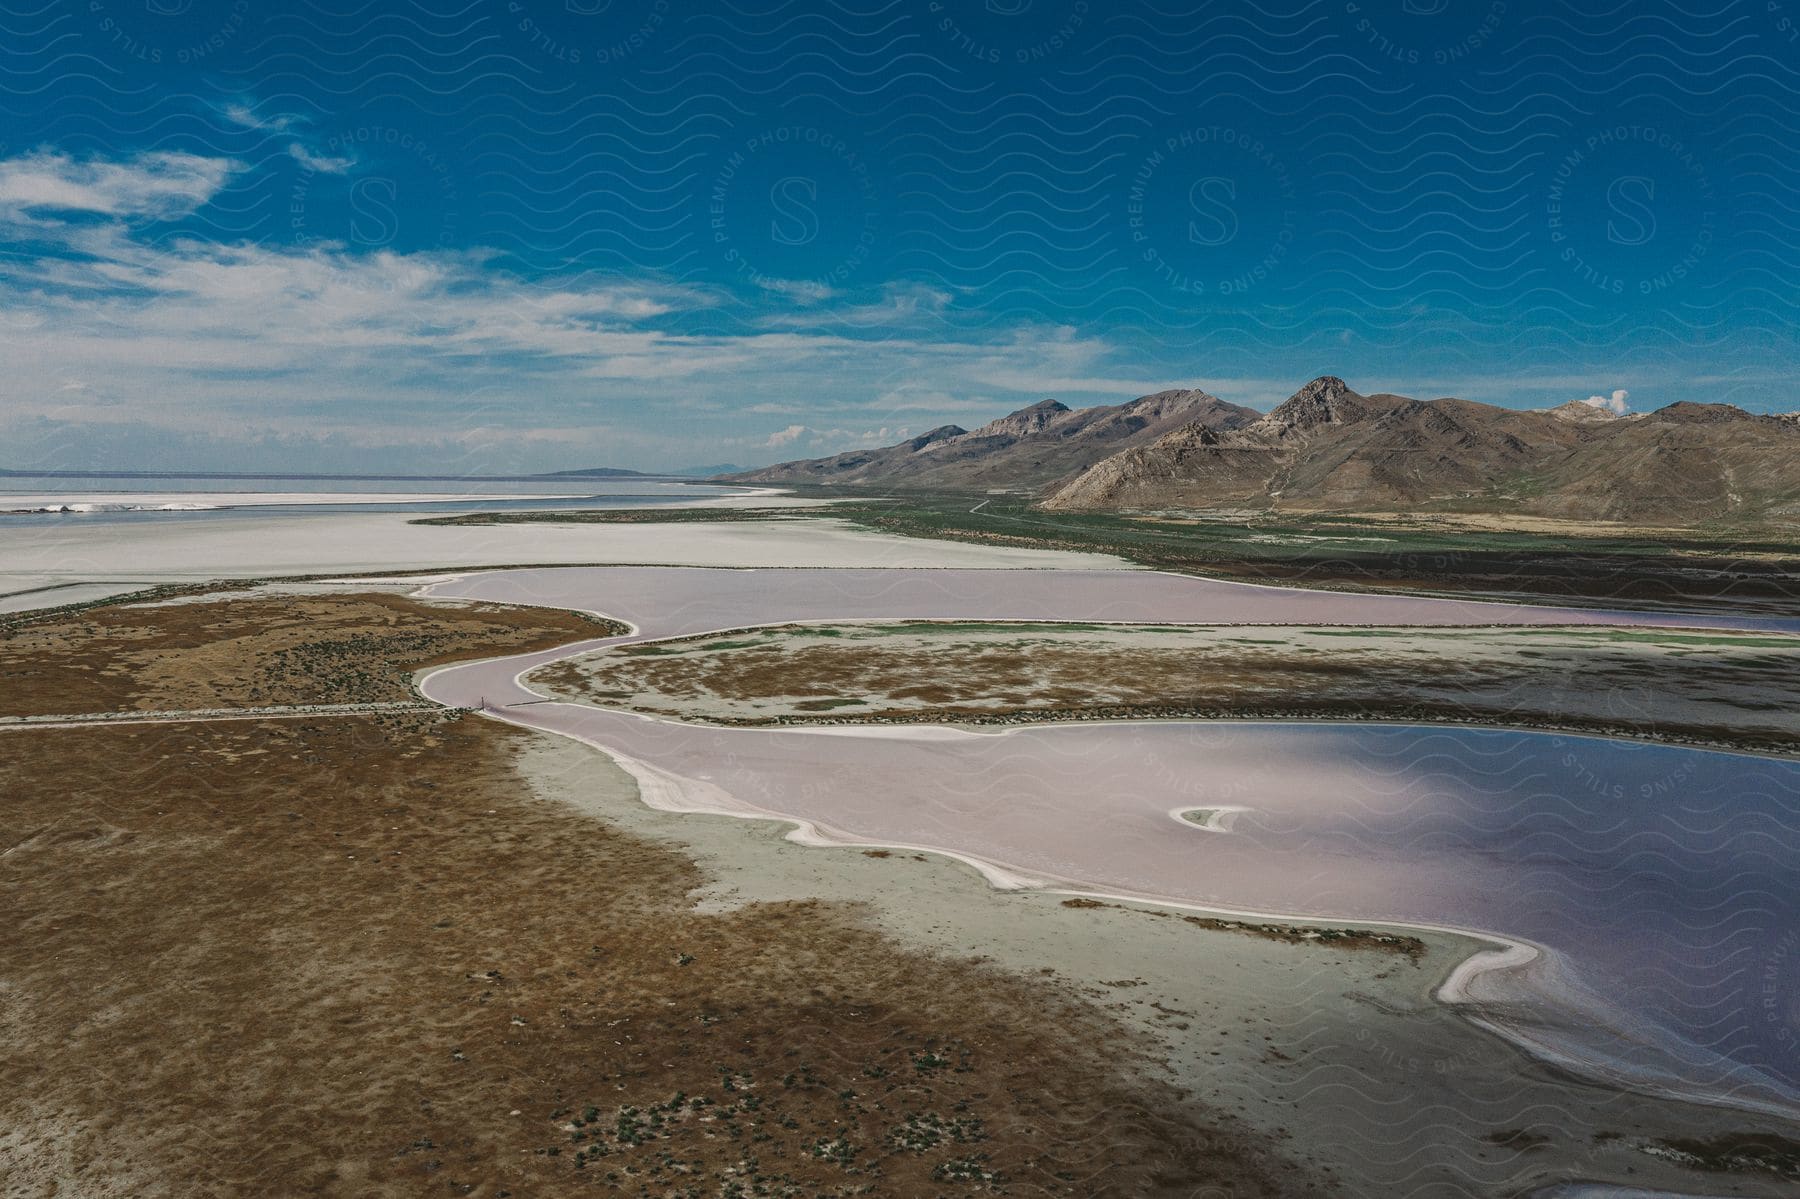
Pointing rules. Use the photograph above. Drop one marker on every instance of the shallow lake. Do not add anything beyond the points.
(1662, 884)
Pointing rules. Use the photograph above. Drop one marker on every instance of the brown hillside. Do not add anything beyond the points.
(1029, 448)
(1331, 448)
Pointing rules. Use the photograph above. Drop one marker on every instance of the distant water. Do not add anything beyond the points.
(131, 497)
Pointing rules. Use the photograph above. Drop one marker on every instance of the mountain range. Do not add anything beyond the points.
(1036, 446)
(1332, 449)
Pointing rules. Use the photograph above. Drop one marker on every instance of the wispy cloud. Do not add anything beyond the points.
(243, 114)
(157, 185)
(186, 341)
(893, 305)
(802, 291)
(830, 440)
(322, 163)
(302, 147)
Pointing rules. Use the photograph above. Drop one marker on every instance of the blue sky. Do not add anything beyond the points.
(494, 235)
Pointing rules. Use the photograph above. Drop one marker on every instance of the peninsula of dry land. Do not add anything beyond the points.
(359, 955)
(1737, 690)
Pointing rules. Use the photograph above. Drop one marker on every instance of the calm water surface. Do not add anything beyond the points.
(1662, 884)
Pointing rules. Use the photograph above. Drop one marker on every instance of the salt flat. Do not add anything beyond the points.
(179, 548)
(199, 501)
(27, 594)
(675, 602)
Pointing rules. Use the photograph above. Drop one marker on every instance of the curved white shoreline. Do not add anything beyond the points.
(1512, 955)
(668, 791)
(1219, 817)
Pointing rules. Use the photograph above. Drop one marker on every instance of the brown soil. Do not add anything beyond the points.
(258, 651)
(358, 956)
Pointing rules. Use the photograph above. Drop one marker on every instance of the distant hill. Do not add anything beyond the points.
(707, 472)
(1030, 448)
(1330, 448)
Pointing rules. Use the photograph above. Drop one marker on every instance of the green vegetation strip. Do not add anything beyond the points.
(1703, 570)
(1292, 934)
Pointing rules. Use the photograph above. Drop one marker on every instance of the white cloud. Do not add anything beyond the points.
(244, 114)
(324, 164)
(893, 305)
(209, 306)
(801, 291)
(193, 345)
(1615, 403)
(160, 185)
(302, 149)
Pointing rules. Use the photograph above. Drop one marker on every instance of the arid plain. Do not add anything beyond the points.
(432, 951)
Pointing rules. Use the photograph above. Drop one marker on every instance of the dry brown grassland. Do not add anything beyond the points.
(1737, 691)
(358, 956)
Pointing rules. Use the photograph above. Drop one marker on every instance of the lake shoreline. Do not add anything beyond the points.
(672, 791)
(1367, 1024)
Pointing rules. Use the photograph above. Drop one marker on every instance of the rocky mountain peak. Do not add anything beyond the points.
(1025, 421)
(1190, 436)
(933, 436)
(1689, 412)
(1327, 400)
(1582, 412)
(1164, 403)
